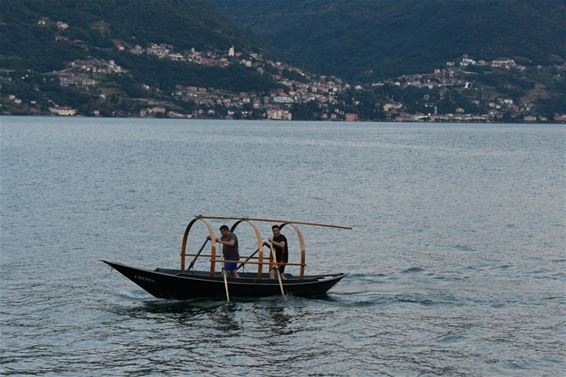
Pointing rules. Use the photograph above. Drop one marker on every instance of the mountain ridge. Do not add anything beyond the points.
(375, 39)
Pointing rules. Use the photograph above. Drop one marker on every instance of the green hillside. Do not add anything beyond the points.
(375, 39)
(32, 39)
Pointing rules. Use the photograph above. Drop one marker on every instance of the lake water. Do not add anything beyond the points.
(456, 260)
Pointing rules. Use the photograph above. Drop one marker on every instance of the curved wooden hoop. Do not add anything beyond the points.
(259, 244)
(301, 245)
(212, 246)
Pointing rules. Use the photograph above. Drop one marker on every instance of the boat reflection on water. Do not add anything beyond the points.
(281, 320)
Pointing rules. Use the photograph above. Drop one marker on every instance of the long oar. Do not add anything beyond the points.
(226, 285)
(250, 257)
(200, 251)
(277, 272)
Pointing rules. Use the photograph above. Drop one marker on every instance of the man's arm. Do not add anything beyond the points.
(278, 244)
(231, 242)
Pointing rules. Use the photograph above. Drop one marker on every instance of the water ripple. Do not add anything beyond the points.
(455, 264)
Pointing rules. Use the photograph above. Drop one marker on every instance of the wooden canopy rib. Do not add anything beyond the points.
(271, 221)
(259, 243)
(186, 237)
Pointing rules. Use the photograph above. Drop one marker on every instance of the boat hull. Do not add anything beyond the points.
(182, 285)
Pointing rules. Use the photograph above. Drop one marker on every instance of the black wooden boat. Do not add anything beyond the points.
(181, 285)
(185, 283)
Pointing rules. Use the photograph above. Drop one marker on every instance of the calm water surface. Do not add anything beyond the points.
(456, 262)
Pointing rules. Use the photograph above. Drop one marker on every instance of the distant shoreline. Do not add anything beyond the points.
(549, 122)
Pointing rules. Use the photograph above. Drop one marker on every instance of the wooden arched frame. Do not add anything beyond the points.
(212, 246)
(301, 245)
(259, 244)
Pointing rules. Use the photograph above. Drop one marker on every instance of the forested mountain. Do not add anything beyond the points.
(96, 24)
(376, 39)
(436, 60)
(119, 57)
(46, 35)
